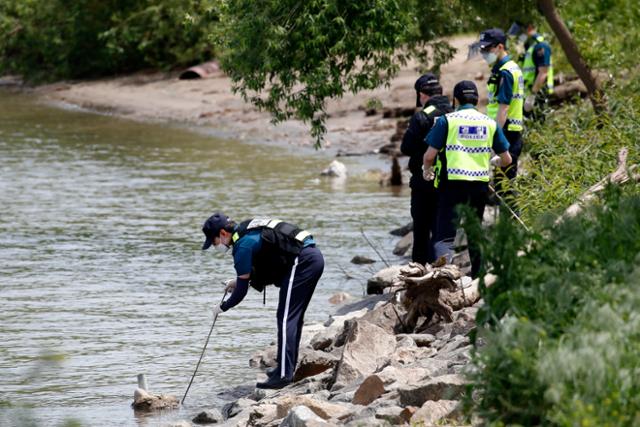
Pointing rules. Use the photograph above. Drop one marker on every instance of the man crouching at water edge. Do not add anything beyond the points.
(270, 251)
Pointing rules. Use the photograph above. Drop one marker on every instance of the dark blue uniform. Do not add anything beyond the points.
(423, 195)
(296, 284)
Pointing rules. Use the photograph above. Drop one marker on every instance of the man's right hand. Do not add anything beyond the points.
(230, 285)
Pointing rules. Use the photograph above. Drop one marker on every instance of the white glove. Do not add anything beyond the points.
(496, 161)
(217, 310)
(428, 174)
(529, 102)
(229, 285)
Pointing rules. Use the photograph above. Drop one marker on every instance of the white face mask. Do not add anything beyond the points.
(221, 247)
(522, 38)
(489, 57)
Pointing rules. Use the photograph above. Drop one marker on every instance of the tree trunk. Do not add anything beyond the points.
(570, 48)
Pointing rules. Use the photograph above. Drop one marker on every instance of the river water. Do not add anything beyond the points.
(101, 272)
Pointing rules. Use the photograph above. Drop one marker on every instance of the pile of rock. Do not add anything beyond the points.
(378, 361)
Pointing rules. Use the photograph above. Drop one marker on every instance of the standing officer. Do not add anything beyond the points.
(423, 195)
(270, 251)
(462, 142)
(537, 69)
(506, 97)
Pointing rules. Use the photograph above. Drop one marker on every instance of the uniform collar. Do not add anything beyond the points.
(500, 63)
(466, 107)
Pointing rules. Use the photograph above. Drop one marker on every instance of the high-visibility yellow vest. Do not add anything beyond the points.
(514, 112)
(529, 68)
(468, 146)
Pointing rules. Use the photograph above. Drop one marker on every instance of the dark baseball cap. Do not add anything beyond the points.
(492, 37)
(465, 89)
(212, 227)
(424, 83)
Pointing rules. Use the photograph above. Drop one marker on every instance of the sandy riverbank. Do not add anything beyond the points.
(210, 103)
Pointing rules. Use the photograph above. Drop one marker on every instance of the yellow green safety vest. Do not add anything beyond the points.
(514, 112)
(468, 146)
(529, 68)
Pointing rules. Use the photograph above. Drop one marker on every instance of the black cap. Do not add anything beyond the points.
(465, 90)
(492, 37)
(212, 227)
(424, 84)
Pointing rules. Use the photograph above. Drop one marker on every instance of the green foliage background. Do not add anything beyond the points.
(45, 40)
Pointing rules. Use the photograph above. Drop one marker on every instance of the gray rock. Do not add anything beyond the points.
(420, 340)
(391, 414)
(232, 409)
(432, 413)
(385, 316)
(358, 259)
(263, 414)
(145, 401)
(301, 416)
(445, 387)
(368, 302)
(405, 342)
(180, 423)
(210, 416)
(365, 345)
(336, 169)
(264, 358)
(404, 245)
(383, 279)
(401, 231)
(323, 409)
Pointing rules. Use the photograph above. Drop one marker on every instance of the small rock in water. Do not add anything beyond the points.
(340, 297)
(358, 259)
(336, 169)
(145, 401)
(208, 417)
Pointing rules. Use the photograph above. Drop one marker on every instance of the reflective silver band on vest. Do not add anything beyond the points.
(465, 172)
(302, 235)
(514, 122)
(472, 150)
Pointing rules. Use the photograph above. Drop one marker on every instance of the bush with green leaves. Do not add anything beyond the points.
(559, 331)
(52, 39)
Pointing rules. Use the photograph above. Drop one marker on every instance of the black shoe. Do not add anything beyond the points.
(272, 371)
(275, 383)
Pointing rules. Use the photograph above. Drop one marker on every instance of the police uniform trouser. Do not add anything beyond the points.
(452, 194)
(423, 211)
(296, 289)
(510, 172)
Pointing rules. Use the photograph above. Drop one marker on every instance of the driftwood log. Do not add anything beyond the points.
(621, 175)
(434, 289)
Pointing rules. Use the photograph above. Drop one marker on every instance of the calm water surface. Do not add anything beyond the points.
(101, 272)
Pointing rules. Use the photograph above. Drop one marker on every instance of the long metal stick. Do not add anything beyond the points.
(515, 215)
(203, 350)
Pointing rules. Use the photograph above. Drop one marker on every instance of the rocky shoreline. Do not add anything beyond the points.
(368, 364)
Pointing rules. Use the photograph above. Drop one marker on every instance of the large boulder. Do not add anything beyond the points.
(445, 387)
(314, 362)
(384, 278)
(386, 316)
(366, 349)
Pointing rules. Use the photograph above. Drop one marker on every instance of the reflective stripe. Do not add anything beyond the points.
(273, 223)
(473, 150)
(284, 320)
(465, 172)
(430, 109)
(302, 235)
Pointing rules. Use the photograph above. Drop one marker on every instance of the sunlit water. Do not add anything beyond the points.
(101, 272)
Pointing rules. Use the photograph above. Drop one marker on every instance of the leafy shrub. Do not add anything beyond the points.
(559, 329)
(53, 39)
